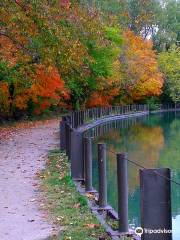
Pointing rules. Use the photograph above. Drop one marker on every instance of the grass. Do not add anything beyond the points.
(67, 207)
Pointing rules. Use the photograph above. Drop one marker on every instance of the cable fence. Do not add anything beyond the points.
(150, 186)
(77, 143)
(142, 167)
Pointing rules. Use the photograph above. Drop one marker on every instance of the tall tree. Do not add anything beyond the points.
(143, 16)
(138, 15)
(139, 69)
(169, 62)
(168, 32)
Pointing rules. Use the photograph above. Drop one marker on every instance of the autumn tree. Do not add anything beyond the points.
(140, 16)
(65, 53)
(139, 68)
(106, 68)
(27, 53)
(38, 89)
(92, 70)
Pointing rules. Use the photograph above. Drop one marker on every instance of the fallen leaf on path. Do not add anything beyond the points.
(90, 196)
(77, 205)
(92, 225)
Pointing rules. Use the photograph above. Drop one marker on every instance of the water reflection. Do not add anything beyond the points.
(151, 141)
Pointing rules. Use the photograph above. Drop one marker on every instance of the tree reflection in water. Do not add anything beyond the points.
(153, 142)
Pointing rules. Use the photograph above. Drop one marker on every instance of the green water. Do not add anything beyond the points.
(152, 141)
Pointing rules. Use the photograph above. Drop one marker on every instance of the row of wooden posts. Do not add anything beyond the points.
(122, 180)
(154, 190)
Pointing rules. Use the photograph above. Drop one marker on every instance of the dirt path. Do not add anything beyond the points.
(22, 156)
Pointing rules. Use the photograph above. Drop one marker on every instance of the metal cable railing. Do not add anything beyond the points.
(142, 167)
(78, 147)
(122, 185)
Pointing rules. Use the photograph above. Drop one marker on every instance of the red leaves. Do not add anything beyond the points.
(48, 82)
(4, 87)
(47, 89)
(102, 98)
(4, 98)
(49, 86)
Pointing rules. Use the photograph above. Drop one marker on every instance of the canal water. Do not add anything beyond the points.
(154, 142)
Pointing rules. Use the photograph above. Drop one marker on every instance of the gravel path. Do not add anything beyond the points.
(22, 157)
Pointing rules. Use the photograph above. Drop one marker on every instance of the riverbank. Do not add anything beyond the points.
(66, 206)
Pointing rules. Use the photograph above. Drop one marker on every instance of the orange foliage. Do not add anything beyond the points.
(142, 76)
(47, 83)
(8, 50)
(4, 97)
(47, 89)
(4, 87)
(102, 98)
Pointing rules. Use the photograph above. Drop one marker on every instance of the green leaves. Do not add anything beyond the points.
(170, 65)
(114, 34)
(5, 73)
(103, 60)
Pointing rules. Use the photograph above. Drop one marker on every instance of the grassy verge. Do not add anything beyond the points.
(68, 208)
